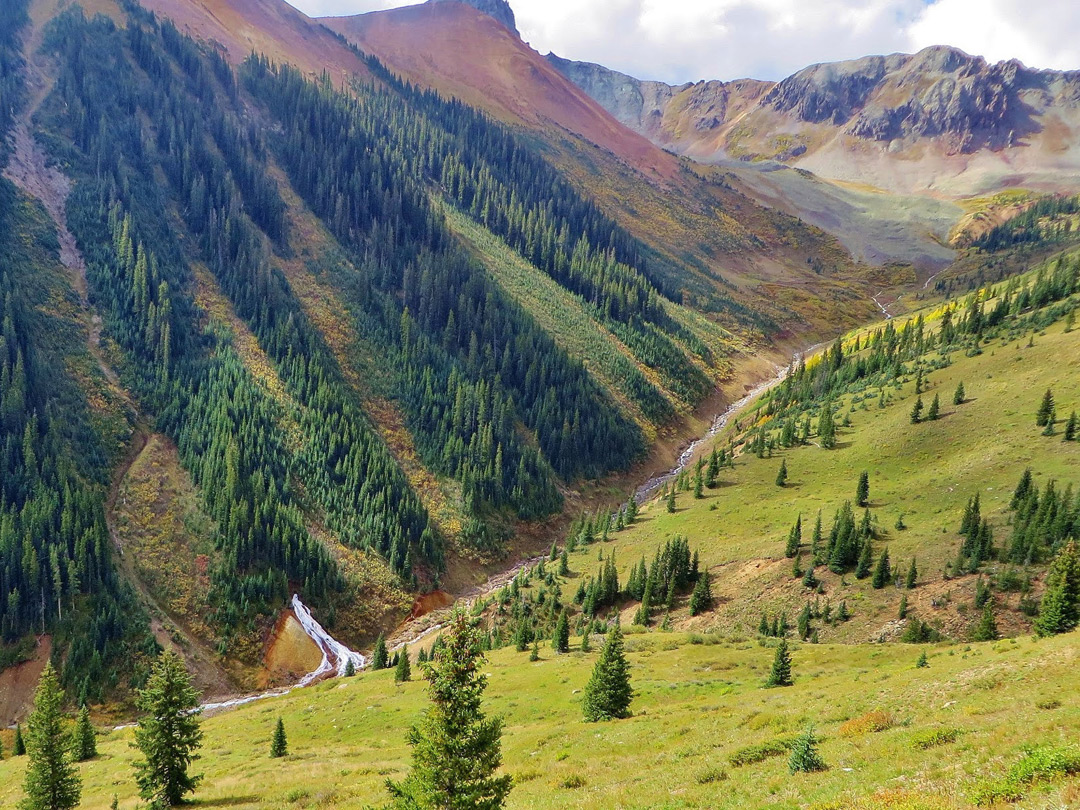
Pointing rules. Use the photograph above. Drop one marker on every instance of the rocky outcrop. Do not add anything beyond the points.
(497, 9)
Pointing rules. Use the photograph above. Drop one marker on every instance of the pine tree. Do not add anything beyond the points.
(560, 640)
(83, 740)
(380, 656)
(564, 564)
(883, 571)
(987, 629)
(1059, 611)
(168, 735)
(1071, 428)
(1046, 409)
(935, 409)
(794, 539)
(350, 668)
(809, 579)
(923, 662)
(712, 470)
(804, 754)
(534, 653)
(585, 645)
(52, 781)
(279, 744)
(916, 411)
(959, 397)
(827, 427)
(698, 485)
(901, 613)
(781, 475)
(403, 670)
(455, 749)
(862, 567)
(802, 622)
(862, 491)
(701, 597)
(671, 501)
(608, 692)
(631, 510)
(18, 747)
(912, 576)
(781, 667)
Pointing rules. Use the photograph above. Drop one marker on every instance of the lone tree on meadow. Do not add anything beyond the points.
(959, 397)
(916, 411)
(52, 781)
(168, 734)
(935, 409)
(608, 693)
(804, 754)
(781, 667)
(781, 474)
(1059, 611)
(83, 741)
(826, 427)
(380, 656)
(1045, 414)
(862, 490)
(455, 749)
(279, 743)
(403, 669)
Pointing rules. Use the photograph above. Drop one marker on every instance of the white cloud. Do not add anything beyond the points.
(686, 40)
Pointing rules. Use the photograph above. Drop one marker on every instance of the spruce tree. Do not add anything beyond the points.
(781, 667)
(83, 740)
(987, 629)
(168, 734)
(534, 653)
(560, 640)
(901, 612)
(935, 409)
(279, 744)
(794, 539)
(608, 693)
(916, 411)
(862, 490)
(671, 501)
(52, 781)
(456, 751)
(809, 579)
(959, 396)
(380, 656)
(804, 754)
(923, 662)
(403, 669)
(701, 597)
(564, 564)
(1046, 409)
(826, 427)
(1071, 428)
(781, 474)
(1059, 611)
(866, 559)
(883, 571)
(350, 668)
(912, 576)
(18, 746)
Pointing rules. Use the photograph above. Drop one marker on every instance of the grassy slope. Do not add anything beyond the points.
(926, 472)
(696, 705)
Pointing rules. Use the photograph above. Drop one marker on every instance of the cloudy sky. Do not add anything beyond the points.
(686, 40)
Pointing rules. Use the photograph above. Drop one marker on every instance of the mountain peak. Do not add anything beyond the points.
(497, 9)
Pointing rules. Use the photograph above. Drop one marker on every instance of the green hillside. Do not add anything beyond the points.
(893, 735)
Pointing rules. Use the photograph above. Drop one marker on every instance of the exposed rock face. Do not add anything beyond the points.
(940, 104)
(498, 9)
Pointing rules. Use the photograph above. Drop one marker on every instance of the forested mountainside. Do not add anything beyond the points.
(302, 288)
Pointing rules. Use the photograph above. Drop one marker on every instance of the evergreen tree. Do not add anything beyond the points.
(455, 749)
(671, 501)
(883, 571)
(585, 645)
(804, 754)
(923, 662)
(18, 746)
(631, 510)
(403, 670)
(52, 781)
(698, 484)
(608, 692)
(380, 656)
(168, 734)
(564, 564)
(987, 629)
(1046, 409)
(916, 411)
(712, 470)
(534, 653)
(1059, 611)
(827, 427)
(901, 613)
(279, 744)
(701, 597)
(794, 538)
(1071, 428)
(912, 576)
(802, 622)
(781, 667)
(935, 409)
(83, 740)
(560, 640)
(809, 579)
(781, 475)
(862, 491)
(959, 396)
(862, 567)
(350, 668)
